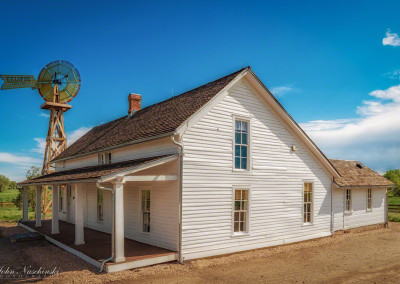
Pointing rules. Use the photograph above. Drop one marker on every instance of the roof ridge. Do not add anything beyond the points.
(194, 89)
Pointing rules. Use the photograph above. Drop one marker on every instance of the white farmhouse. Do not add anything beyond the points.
(219, 169)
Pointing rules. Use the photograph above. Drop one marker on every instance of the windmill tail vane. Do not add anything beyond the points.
(18, 81)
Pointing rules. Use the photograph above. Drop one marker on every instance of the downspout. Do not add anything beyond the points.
(180, 145)
(332, 215)
(112, 224)
(386, 209)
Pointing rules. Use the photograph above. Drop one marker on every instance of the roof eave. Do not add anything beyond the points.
(362, 186)
(116, 146)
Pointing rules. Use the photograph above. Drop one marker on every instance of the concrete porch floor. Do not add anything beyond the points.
(98, 246)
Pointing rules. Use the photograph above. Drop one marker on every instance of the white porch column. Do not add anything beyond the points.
(38, 206)
(80, 202)
(54, 212)
(25, 204)
(119, 234)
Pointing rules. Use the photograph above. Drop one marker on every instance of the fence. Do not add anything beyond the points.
(6, 204)
(394, 208)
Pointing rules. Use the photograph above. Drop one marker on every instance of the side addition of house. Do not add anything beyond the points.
(218, 169)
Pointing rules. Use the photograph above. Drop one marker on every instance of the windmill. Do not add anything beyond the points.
(58, 83)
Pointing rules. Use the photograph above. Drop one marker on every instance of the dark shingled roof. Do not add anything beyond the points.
(92, 172)
(152, 121)
(354, 173)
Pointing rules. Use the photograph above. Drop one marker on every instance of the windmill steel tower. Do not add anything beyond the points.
(58, 83)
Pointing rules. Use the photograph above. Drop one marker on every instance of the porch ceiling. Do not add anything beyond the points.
(94, 173)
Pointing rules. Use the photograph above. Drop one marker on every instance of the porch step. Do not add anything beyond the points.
(29, 236)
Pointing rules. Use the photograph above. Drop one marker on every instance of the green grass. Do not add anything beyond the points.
(13, 214)
(394, 217)
(8, 195)
(394, 200)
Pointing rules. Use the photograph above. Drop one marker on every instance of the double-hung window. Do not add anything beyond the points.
(100, 205)
(146, 211)
(369, 199)
(307, 202)
(241, 211)
(348, 200)
(241, 144)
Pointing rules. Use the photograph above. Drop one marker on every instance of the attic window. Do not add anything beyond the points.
(104, 158)
(360, 165)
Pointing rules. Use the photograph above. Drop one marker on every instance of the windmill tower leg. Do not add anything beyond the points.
(56, 140)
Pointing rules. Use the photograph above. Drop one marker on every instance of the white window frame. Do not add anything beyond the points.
(141, 189)
(249, 150)
(369, 199)
(350, 201)
(97, 205)
(312, 202)
(247, 232)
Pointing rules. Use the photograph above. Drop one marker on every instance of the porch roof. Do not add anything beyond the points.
(95, 172)
(355, 174)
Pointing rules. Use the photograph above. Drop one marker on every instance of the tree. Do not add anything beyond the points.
(33, 172)
(394, 176)
(4, 183)
(13, 184)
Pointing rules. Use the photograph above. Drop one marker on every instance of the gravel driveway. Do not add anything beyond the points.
(370, 256)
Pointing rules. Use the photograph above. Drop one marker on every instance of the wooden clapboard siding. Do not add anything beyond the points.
(158, 147)
(359, 216)
(276, 180)
(164, 212)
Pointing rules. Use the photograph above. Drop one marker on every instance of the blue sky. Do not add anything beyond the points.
(325, 62)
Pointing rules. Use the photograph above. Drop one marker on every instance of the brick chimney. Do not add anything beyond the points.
(135, 101)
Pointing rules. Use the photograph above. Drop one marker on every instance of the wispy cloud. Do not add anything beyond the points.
(282, 90)
(46, 115)
(391, 39)
(17, 159)
(393, 75)
(40, 145)
(76, 134)
(71, 138)
(373, 136)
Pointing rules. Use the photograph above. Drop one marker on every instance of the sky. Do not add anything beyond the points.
(333, 65)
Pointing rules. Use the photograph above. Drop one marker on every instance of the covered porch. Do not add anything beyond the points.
(97, 246)
(115, 216)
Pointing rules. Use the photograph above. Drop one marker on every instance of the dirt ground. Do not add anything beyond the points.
(370, 256)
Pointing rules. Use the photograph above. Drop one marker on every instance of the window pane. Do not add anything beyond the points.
(244, 194)
(242, 216)
(243, 164)
(244, 138)
(236, 227)
(236, 217)
(238, 194)
(237, 163)
(242, 227)
(237, 125)
(244, 126)
(237, 151)
(237, 205)
(243, 151)
(237, 138)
